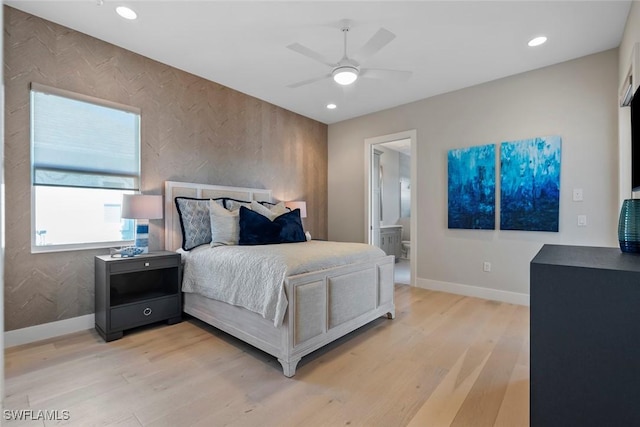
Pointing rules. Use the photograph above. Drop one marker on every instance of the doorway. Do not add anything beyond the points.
(390, 206)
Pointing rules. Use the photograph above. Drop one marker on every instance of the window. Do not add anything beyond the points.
(85, 154)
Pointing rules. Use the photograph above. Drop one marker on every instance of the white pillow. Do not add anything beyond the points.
(225, 225)
(272, 213)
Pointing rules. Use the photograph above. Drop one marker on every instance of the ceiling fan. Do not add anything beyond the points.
(348, 70)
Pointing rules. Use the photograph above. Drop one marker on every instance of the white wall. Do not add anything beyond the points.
(576, 100)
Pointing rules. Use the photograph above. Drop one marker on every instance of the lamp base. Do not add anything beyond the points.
(142, 237)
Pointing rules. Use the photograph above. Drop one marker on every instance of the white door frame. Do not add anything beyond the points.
(369, 143)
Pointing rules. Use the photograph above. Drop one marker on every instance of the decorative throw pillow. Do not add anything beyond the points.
(234, 204)
(225, 226)
(195, 221)
(257, 229)
(271, 211)
(292, 230)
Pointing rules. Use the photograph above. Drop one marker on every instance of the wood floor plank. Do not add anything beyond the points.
(126, 422)
(444, 360)
(443, 405)
(483, 403)
(514, 410)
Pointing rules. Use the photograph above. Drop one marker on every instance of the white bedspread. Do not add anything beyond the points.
(253, 276)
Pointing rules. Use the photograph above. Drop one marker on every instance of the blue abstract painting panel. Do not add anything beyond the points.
(530, 184)
(472, 187)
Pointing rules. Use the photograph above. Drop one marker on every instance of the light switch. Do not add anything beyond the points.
(577, 194)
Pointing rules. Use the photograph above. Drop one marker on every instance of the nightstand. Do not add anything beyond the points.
(136, 291)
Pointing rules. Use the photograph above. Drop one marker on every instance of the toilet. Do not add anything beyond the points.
(406, 249)
(406, 236)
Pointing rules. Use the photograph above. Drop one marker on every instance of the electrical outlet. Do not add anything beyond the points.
(486, 267)
(577, 195)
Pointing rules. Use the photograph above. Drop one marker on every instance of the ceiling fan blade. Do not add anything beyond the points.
(309, 81)
(375, 43)
(376, 73)
(303, 50)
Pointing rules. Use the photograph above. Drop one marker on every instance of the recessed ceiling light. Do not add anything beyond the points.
(332, 106)
(537, 41)
(126, 12)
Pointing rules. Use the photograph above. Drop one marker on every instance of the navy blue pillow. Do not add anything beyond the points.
(257, 229)
(292, 230)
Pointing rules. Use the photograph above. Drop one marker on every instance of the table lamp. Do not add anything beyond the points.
(298, 205)
(142, 208)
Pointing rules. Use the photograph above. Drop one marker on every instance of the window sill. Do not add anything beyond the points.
(79, 246)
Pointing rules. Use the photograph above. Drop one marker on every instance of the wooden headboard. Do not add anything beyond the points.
(173, 189)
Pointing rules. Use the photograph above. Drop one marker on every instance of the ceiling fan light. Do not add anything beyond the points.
(345, 75)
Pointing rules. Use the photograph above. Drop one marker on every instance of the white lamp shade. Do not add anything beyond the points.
(140, 206)
(298, 205)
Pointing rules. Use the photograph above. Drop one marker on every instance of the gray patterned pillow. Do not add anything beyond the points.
(195, 221)
(234, 205)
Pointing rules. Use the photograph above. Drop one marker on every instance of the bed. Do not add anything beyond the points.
(322, 305)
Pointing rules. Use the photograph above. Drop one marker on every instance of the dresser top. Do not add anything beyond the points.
(587, 257)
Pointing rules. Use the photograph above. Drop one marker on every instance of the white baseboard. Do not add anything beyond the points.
(474, 291)
(48, 330)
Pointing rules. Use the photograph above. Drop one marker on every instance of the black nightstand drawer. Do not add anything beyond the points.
(141, 263)
(145, 312)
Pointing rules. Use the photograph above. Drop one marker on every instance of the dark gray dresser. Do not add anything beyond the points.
(136, 291)
(585, 337)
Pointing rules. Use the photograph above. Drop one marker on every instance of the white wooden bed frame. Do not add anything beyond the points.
(323, 305)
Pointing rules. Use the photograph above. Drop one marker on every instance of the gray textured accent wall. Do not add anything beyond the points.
(192, 130)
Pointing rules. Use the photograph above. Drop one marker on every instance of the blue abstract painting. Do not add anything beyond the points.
(530, 184)
(472, 187)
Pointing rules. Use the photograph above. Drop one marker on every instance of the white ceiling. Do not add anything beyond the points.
(448, 45)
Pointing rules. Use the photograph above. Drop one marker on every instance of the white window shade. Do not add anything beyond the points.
(79, 141)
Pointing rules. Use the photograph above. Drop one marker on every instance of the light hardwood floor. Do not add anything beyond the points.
(446, 360)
